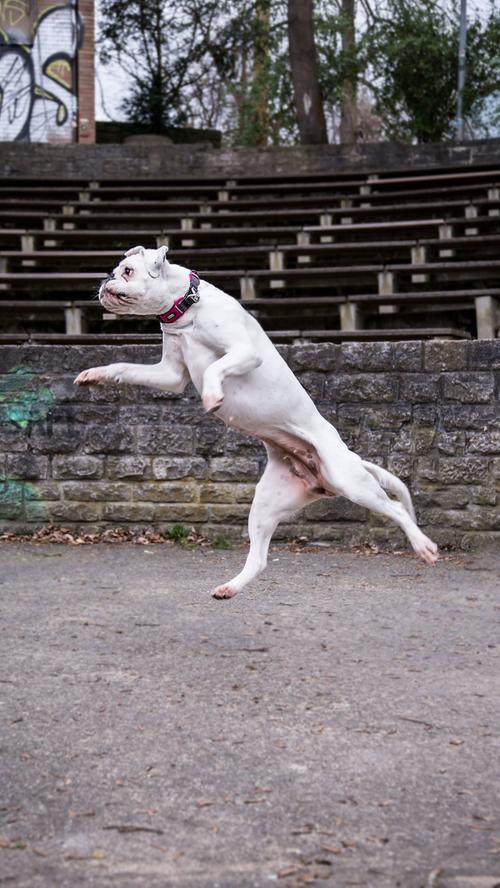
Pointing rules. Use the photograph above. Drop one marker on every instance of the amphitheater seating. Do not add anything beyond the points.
(340, 256)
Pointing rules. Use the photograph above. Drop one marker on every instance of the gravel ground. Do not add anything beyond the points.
(338, 723)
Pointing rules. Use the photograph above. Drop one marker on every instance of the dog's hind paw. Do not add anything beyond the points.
(427, 550)
(224, 591)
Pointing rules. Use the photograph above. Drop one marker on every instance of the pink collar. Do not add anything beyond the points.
(182, 304)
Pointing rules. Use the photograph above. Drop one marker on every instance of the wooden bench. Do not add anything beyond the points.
(323, 216)
(278, 336)
(346, 308)
(73, 201)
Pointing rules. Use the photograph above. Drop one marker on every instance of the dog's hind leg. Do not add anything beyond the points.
(343, 472)
(393, 485)
(278, 495)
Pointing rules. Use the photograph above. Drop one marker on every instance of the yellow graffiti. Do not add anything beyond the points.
(13, 11)
(60, 71)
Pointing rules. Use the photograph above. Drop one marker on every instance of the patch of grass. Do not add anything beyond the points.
(177, 533)
(222, 542)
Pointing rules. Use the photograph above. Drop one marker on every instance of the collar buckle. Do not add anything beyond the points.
(182, 304)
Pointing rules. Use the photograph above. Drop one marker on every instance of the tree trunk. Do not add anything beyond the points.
(348, 96)
(261, 70)
(307, 93)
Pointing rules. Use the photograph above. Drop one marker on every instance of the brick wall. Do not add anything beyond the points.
(86, 75)
(108, 161)
(47, 72)
(87, 458)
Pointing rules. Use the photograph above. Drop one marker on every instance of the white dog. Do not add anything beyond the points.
(209, 338)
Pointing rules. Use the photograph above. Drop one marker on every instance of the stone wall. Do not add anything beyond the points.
(87, 458)
(142, 161)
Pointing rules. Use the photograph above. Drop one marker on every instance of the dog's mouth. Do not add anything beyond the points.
(115, 299)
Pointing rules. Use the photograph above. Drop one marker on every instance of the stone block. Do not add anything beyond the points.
(233, 469)
(391, 416)
(11, 500)
(167, 492)
(76, 467)
(484, 442)
(182, 513)
(461, 470)
(485, 496)
(42, 490)
(37, 511)
(74, 511)
(443, 497)
(419, 387)
(128, 512)
(424, 439)
(401, 465)
(233, 531)
(469, 388)
(484, 540)
(128, 467)
(11, 356)
(13, 438)
(97, 491)
(352, 387)
(335, 508)
(172, 467)
(484, 354)
(381, 356)
(471, 518)
(467, 416)
(451, 443)
(158, 440)
(313, 383)
(57, 438)
(426, 414)
(210, 438)
(109, 439)
(227, 493)
(441, 356)
(140, 414)
(221, 512)
(239, 443)
(27, 465)
(320, 357)
(375, 444)
(351, 416)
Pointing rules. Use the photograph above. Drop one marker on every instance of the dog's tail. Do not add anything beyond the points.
(392, 485)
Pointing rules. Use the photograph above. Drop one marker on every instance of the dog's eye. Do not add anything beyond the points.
(128, 272)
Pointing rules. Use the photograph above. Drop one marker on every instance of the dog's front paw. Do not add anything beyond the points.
(212, 400)
(93, 376)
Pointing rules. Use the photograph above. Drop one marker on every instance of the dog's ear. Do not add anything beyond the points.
(134, 250)
(159, 264)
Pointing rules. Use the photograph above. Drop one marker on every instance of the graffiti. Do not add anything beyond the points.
(38, 71)
(22, 401)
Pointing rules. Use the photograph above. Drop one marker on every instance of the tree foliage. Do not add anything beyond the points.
(385, 68)
(414, 61)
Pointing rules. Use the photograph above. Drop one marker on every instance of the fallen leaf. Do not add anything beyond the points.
(288, 871)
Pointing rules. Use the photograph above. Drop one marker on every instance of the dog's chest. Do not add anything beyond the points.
(196, 355)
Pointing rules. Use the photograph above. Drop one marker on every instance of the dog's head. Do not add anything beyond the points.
(137, 285)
